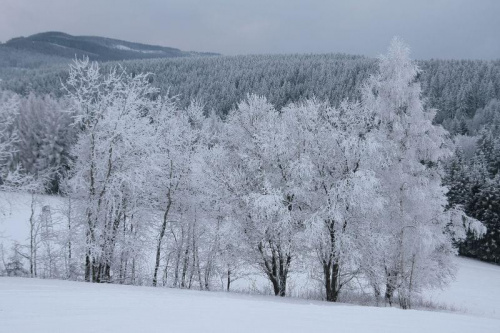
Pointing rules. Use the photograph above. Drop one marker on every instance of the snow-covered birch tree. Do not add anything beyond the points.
(253, 166)
(338, 187)
(111, 152)
(417, 249)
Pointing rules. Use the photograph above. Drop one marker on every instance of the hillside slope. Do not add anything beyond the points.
(476, 289)
(457, 88)
(31, 305)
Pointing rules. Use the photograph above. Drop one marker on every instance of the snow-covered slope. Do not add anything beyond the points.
(476, 289)
(31, 305)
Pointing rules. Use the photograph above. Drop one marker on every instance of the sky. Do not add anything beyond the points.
(433, 28)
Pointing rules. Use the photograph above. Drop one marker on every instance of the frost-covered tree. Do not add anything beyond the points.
(112, 149)
(176, 134)
(419, 230)
(12, 172)
(338, 188)
(9, 171)
(254, 168)
(44, 137)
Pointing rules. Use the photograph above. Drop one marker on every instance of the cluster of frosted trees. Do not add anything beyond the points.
(354, 189)
(164, 195)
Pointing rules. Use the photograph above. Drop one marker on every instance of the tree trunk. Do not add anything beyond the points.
(32, 237)
(163, 228)
(70, 259)
(179, 246)
(331, 272)
(390, 286)
(185, 265)
(87, 266)
(276, 267)
(330, 262)
(160, 239)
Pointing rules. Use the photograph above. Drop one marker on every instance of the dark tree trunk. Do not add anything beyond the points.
(186, 258)
(331, 272)
(163, 228)
(70, 259)
(331, 267)
(89, 261)
(160, 239)
(390, 287)
(389, 291)
(88, 269)
(276, 267)
(32, 238)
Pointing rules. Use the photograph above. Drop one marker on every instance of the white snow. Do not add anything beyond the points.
(476, 289)
(122, 47)
(32, 305)
(126, 48)
(15, 214)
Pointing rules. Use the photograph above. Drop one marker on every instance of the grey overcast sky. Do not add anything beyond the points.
(433, 28)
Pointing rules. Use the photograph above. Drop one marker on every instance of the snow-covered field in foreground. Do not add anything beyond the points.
(32, 305)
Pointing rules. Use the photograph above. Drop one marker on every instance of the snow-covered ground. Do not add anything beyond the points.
(31, 305)
(15, 213)
(476, 289)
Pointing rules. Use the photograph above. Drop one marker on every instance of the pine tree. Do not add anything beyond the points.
(482, 198)
(457, 180)
(485, 206)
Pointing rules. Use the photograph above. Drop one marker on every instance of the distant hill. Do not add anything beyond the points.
(57, 47)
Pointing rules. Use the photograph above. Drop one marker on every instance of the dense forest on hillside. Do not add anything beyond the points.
(12, 60)
(457, 88)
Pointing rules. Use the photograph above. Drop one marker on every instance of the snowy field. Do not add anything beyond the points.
(15, 213)
(31, 305)
(475, 291)
(15, 210)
